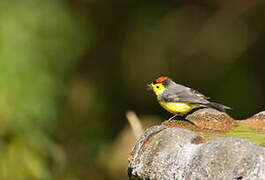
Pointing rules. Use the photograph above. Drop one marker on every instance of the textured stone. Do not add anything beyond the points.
(205, 120)
(256, 122)
(160, 152)
(211, 119)
(170, 152)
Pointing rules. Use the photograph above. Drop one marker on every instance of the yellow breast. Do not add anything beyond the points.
(178, 107)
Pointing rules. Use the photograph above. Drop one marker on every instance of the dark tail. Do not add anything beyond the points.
(218, 107)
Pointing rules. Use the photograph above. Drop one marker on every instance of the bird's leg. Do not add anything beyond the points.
(176, 117)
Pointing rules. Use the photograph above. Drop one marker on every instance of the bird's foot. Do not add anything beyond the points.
(174, 118)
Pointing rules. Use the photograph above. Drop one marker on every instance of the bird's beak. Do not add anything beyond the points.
(149, 87)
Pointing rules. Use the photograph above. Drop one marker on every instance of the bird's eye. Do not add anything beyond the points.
(157, 87)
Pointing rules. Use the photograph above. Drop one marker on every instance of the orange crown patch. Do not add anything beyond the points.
(161, 79)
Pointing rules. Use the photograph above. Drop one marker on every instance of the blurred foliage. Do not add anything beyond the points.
(69, 70)
(39, 42)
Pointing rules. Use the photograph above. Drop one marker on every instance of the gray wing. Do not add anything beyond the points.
(184, 94)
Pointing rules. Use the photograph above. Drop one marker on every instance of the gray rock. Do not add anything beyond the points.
(174, 153)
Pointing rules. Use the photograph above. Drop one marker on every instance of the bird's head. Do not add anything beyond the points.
(159, 85)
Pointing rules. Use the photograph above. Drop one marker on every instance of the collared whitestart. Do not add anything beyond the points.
(180, 100)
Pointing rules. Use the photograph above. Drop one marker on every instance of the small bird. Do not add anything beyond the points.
(180, 100)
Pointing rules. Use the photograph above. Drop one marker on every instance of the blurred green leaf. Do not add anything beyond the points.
(40, 40)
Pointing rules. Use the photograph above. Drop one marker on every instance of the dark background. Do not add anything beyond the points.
(71, 69)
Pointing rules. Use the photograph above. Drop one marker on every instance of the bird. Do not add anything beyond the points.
(181, 100)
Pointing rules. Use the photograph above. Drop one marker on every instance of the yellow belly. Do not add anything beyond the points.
(178, 107)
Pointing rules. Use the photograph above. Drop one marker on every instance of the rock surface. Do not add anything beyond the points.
(170, 152)
(256, 122)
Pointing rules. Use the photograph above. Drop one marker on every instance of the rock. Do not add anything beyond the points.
(256, 122)
(155, 154)
(212, 119)
(180, 149)
(170, 153)
(206, 120)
